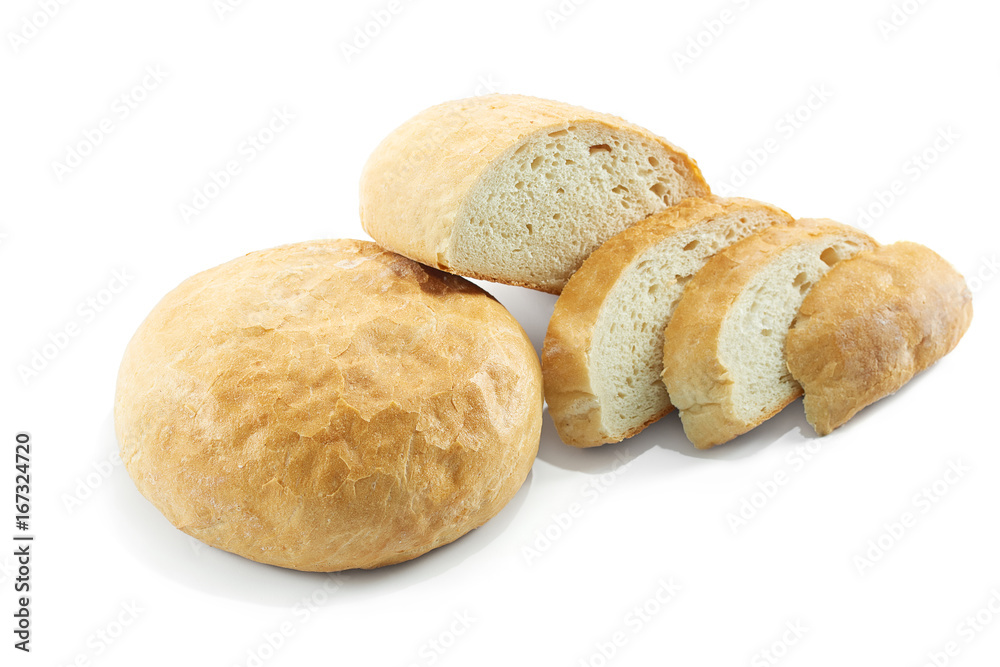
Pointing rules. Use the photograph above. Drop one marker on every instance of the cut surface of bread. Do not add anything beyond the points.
(517, 189)
(603, 353)
(870, 325)
(724, 362)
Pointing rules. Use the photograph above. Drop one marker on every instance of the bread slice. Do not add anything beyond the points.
(870, 325)
(603, 352)
(724, 362)
(517, 189)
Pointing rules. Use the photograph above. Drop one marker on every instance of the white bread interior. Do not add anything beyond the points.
(606, 385)
(547, 204)
(517, 189)
(724, 348)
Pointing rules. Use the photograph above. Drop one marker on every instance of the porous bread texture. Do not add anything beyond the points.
(723, 349)
(540, 210)
(870, 325)
(517, 189)
(603, 355)
(328, 405)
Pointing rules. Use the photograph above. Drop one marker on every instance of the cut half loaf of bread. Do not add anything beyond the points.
(724, 349)
(870, 325)
(516, 189)
(603, 353)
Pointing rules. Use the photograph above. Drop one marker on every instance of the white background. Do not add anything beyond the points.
(102, 550)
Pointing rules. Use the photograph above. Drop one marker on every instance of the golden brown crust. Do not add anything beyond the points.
(548, 289)
(417, 180)
(870, 325)
(328, 405)
(569, 391)
(698, 382)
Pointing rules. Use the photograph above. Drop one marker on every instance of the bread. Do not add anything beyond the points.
(723, 350)
(603, 353)
(870, 325)
(516, 189)
(328, 405)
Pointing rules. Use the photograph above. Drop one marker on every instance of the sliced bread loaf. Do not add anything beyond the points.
(603, 353)
(724, 362)
(516, 189)
(870, 325)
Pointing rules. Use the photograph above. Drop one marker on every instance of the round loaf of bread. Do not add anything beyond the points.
(328, 405)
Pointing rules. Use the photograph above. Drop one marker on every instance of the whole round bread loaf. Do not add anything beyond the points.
(328, 405)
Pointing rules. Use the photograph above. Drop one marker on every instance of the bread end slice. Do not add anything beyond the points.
(870, 325)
